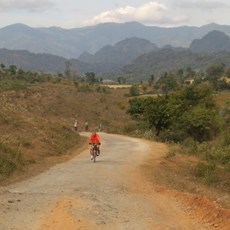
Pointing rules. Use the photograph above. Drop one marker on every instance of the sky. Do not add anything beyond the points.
(79, 13)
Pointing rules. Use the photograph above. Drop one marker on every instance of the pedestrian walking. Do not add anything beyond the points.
(75, 124)
(86, 126)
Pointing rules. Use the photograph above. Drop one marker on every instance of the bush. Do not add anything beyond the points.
(175, 135)
(121, 105)
(201, 123)
(85, 89)
(134, 90)
(12, 85)
(214, 152)
(130, 127)
(170, 154)
(10, 160)
(219, 153)
(207, 172)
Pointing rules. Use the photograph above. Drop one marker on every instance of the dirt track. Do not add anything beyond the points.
(110, 194)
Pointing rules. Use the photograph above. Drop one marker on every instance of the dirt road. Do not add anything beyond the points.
(109, 194)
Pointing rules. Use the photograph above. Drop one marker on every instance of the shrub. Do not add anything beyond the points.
(170, 154)
(85, 89)
(175, 135)
(12, 85)
(214, 152)
(121, 105)
(134, 90)
(130, 127)
(207, 172)
(10, 160)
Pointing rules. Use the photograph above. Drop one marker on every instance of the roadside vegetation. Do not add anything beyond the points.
(192, 112)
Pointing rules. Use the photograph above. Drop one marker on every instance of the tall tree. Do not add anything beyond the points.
(68, 69)
(90, 77)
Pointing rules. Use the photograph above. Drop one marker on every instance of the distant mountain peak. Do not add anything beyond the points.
(17, 26)
(213, 41)
(210, 25)
(123, 52)
(215, 34)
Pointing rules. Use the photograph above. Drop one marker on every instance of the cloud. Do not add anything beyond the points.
(148, 13)
(27, 5)
(198, 4)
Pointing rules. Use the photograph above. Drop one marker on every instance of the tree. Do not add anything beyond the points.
(190, 73)
(167, 82)
(155, 111)
(121, 80)
(190, 111)
(201, 122)
(214, 72)
(159, 114)
(136, 108)
(151, 80)
(13, 69)
(180, 73)
(90, 77)
(2, 66)
(68, 69)
(227, 72)
(134, 90)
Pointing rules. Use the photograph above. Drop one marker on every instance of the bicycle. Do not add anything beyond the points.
(94, 152)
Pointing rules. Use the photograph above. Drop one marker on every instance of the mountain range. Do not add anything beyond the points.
(135, 57)
(71, 43)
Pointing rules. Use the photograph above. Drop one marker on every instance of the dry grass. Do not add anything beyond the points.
(222, 98)
(38, 121)
(177, 173)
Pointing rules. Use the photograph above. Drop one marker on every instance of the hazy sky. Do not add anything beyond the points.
(78, 13)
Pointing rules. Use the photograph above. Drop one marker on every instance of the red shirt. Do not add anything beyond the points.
(94, 139)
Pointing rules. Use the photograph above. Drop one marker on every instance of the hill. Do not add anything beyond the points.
(213, 48)
(171, 59)
(214, 41)
(32, 62)
(121, 53)
(37, 120)
(109, 59)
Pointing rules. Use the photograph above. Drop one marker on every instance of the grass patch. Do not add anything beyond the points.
(170, 154)
(13, 85)
(207, 172)
(10, 160)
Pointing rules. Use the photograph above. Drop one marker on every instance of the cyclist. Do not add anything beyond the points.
(94, 138)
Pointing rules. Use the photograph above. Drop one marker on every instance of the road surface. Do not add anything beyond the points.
(109, 194)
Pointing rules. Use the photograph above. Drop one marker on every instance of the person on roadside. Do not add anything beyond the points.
(99, 127)
(86, 126)
(75, 124)
(94, 138)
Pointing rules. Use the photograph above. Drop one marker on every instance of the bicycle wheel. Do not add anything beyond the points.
(94, 155)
